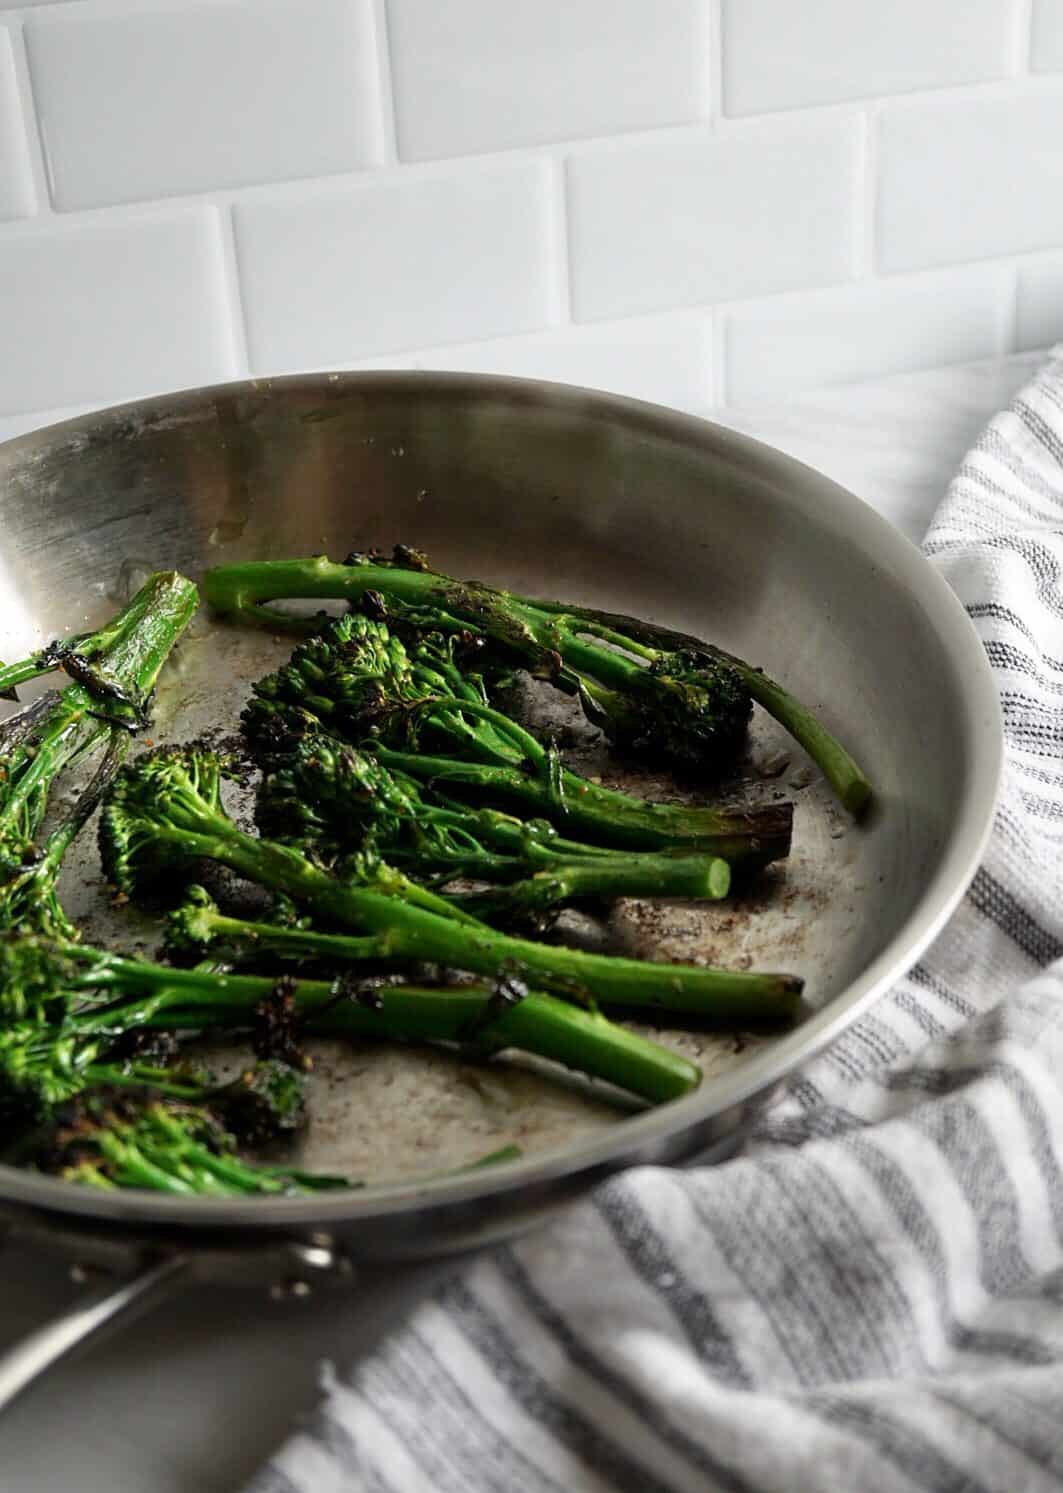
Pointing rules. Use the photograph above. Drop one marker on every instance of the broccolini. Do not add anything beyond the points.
(655, 692)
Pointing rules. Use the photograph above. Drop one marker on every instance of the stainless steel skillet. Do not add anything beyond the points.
(561, 492)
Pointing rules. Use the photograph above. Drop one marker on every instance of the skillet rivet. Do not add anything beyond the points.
(285, 1290)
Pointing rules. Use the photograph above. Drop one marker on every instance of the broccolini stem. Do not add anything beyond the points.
(12, 675)
(394, 884)
(491, 1158)
(578, 1039)
(159, 1150)
(839, 767)
(134, 1168)
(74, 653)
(202, 926)
(738, 835)
(703, 877)
(63, 740)
(52, 733)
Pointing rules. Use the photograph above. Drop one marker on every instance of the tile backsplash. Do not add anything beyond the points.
(696, 201)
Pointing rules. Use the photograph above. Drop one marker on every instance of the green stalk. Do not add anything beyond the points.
(845, 775)
(529, 898)
(584, 1041)
(12, 675)
(203, 925)
(705, 878)
(614, 819)
(130, 654)
(83, 648)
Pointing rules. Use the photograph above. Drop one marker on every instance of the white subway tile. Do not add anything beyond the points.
(473, 75)
(970, 178)
(16, 183)
(111, 311)
(153, 102)
(1039, 312)
(782, 55)
(687, 221)
(860, 332)
(1046, 53)
(664, 359)
(331, 276)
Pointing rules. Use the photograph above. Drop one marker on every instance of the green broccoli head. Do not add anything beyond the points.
(29, 902)
(157, 811)
(350, 680)
(191, 927)
(328, 794)
(115, 1137)
(37, 976)
(39, 1069)
(110, 1137)
(266, 1103)
(687, 707)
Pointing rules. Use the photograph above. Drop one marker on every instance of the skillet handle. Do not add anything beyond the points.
(35, 1354)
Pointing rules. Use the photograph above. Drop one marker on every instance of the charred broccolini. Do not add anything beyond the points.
(72, 1017)
(165, 810)
(72, 1005)
(107, 1138)
(60, 729)
(655, 692)
(100, 661)
(333, 799)
(390, 772)
(428, 719)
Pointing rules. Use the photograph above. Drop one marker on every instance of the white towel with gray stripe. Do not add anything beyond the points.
(871, 1295)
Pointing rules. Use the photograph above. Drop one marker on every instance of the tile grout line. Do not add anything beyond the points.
(865, 258)
(32, 128)
(1021, 40)
(234, 293)
(714, 62)
(387, 119)
(560, 245)
(759, 126)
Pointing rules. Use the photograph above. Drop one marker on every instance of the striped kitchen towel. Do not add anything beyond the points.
(871, 1296)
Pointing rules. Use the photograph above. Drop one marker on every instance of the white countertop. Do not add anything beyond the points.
(193, 1397)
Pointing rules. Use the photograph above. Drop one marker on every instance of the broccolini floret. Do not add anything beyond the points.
(108, 1138)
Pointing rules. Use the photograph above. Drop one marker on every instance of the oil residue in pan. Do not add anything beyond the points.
(380, 1111)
